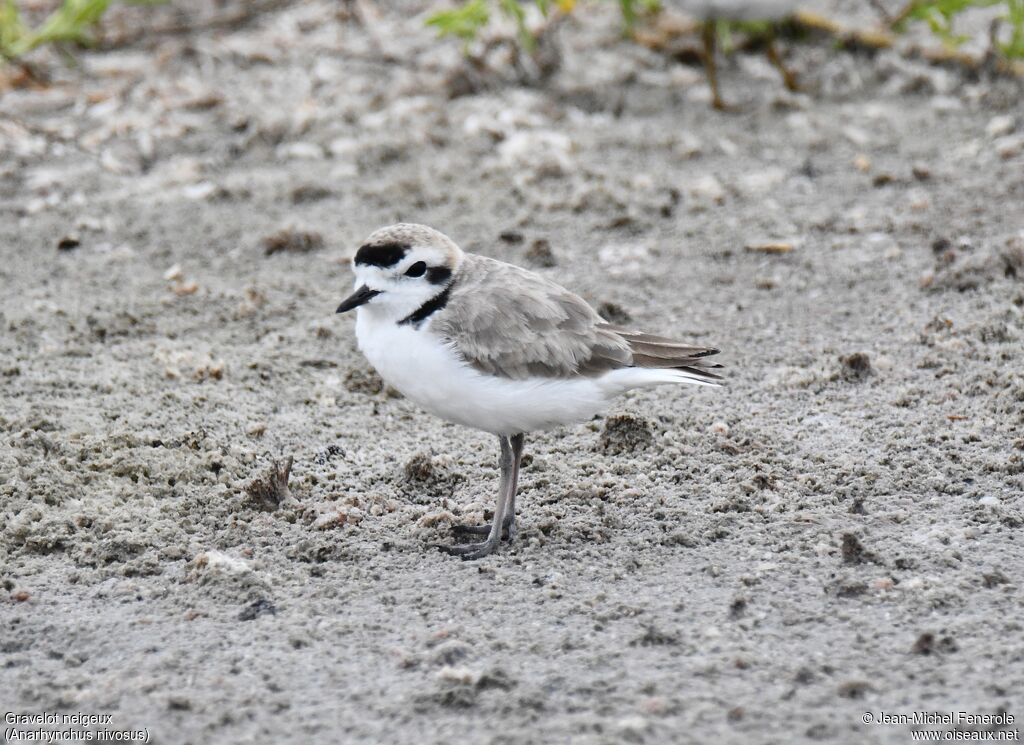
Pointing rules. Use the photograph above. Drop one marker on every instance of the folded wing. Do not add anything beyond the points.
(649, 350)
(512, 323)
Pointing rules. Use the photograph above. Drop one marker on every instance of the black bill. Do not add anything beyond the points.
(363, 295)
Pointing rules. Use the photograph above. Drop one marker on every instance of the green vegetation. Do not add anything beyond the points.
(940, 15)
(632, 9)
(71, 22)
(467, 19)
(1014, 48)
(464, 21)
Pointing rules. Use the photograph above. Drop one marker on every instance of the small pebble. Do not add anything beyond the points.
(625, 433)
(856, 366)
(309, 193)
(292, 240)
(614, 313)
(69, 242)
(300, 151)
(632, 728)
(770, 247)
(269, 489)
(202, 190)
(540, 254)
(458, 675)
(1000, 125)
(1009, 146)
(707, 187)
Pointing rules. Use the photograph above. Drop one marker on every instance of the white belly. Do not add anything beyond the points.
(432, 375)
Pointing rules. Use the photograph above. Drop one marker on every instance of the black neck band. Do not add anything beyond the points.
(428, 308)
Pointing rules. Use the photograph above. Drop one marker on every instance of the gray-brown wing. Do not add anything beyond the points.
(510, 322)
(649, 350)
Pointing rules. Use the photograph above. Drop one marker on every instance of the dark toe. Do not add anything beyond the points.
(471, 529)
(469, 551)
(508, 531)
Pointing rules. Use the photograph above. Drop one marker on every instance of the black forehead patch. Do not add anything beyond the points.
(438, 275)
(381, 254)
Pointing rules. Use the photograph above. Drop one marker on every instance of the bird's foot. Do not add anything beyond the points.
(720, 105)
(470, 551)
(508, 530)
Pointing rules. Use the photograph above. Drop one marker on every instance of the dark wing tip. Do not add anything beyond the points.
(701, 372)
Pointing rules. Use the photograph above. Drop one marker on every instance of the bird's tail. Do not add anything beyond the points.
(669, 361)
(626, 378)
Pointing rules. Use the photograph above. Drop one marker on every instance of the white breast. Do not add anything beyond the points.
(431, 374)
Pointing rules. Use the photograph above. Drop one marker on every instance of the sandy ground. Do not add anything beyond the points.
(836, 532)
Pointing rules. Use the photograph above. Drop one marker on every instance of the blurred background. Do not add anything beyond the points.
(216, 520)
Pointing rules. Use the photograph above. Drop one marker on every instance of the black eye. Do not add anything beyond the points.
(417, 269)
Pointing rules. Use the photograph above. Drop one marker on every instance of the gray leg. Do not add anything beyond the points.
(488, 546)
(508, 523)
(510, 511)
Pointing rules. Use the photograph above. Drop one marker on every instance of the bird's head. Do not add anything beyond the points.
(400, 268)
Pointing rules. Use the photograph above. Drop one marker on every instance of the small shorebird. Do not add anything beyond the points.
(491, 346)
(757, 20)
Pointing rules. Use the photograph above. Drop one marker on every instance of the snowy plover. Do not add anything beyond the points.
(491, 346)
(760, 19)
